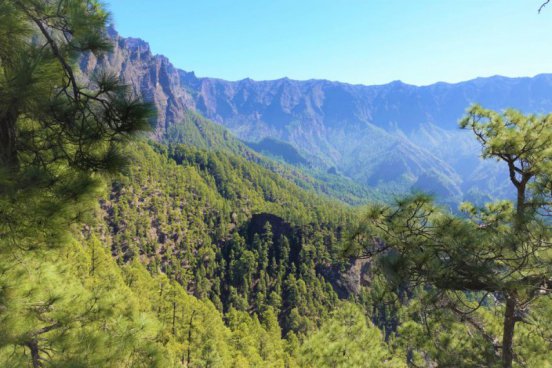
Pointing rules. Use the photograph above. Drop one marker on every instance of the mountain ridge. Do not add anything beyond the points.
(188, 79)
(360, 130)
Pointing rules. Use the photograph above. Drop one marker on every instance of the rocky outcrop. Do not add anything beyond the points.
(349, 282)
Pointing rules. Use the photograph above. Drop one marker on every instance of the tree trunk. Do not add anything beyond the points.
(508, 333)
(35, 353)
(8, 149)
(190, 329)
(520, 205)
(174, 317)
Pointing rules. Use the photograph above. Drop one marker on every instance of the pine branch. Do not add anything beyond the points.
(543, 5)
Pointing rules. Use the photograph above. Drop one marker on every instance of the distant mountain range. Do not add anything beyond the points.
(395, 137)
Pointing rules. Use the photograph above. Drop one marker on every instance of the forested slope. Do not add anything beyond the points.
(194, 258)
(191, 258)
(200, 217)
(195, 130)
(120, 252)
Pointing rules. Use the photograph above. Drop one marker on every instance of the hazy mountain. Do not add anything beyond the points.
(394, 136)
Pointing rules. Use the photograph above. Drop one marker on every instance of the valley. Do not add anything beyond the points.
(153, 218)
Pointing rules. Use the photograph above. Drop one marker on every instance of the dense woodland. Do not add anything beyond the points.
(195, 251)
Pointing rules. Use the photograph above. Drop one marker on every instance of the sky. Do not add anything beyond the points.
(355, 41)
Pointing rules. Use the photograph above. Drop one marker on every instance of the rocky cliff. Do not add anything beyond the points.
(151, 76)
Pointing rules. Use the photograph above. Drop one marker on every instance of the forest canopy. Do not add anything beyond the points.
(121, 251)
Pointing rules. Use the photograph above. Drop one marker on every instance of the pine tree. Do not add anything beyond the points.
(56, 133)
(47, 113)
(503, 249)
(55, 129)
(347, 339)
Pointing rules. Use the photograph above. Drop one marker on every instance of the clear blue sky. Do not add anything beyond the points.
(355, 41)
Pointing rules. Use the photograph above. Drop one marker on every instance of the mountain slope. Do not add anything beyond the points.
(196, 131)
(230, 231)
(386, 136)
(191, 259)
(279, 150)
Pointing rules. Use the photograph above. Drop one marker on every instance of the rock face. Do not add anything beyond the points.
(151, 76)
(392, 136)
(279, 227)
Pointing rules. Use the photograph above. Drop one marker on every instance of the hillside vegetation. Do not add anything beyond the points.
(189, 261)
(203, 259)
(195, 130)
(184, 247)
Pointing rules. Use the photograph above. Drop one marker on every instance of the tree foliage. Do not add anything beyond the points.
(55, 129)
(331, 346)
(501, 251)
(220, 258)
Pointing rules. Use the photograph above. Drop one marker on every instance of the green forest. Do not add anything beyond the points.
(117, 250)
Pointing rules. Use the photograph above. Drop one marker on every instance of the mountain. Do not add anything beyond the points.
(396, 137)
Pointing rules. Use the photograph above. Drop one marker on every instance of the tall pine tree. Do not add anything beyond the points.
(502, 250)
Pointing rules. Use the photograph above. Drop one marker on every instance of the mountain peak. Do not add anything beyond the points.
(111, 31)
(397, 82)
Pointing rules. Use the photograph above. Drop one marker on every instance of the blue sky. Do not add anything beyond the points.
(356, 41)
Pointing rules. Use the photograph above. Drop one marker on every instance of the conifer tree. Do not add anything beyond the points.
(57, 131)
(502, 250)
(332, 346)
(47, 112)
(56, 128)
